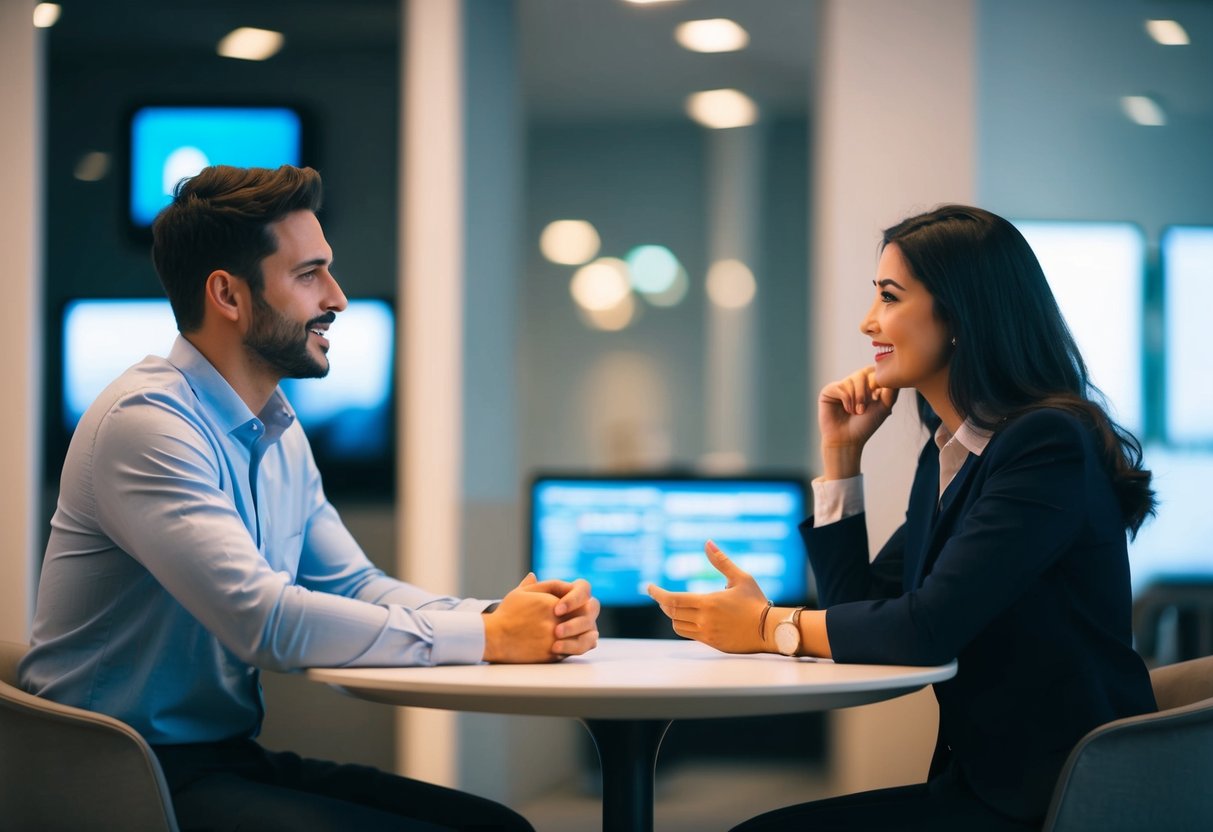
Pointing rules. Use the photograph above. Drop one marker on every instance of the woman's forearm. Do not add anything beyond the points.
(840, 462)
(814, 639)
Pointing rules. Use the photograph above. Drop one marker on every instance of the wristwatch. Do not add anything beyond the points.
(787, 633)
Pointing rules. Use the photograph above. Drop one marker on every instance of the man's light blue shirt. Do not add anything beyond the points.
(192, 545)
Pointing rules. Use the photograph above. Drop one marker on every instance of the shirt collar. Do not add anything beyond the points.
(213, 390)
(968, 435)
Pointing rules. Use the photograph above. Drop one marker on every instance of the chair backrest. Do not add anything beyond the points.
(1153, 771)
(64, 768)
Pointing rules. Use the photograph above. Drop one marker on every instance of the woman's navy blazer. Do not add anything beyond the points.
(1020, 572)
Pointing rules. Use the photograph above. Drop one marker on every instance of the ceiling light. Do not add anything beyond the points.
(720, 109)
(601, 285)
(652, 269)
(249, 44)
(92, 166)
(731, 284)
(569, 242)
(1167, 32)
(46, 15)
(647, 2)
(716, 35)
(614, 318)
(1144, 110)
(674, 294)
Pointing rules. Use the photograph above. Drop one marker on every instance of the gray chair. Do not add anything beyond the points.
(64, 768)
(1145, 772)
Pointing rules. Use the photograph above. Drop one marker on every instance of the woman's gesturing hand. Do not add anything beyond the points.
(727, 620)
(848, 412)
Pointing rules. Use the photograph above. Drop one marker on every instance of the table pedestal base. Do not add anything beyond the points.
(627, 751)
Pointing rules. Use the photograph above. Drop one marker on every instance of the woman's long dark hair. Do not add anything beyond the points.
(1014, 352)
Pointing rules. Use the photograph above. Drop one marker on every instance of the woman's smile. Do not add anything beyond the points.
(910, 339)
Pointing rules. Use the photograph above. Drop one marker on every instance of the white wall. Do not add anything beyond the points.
(895, 135)
(20, 240)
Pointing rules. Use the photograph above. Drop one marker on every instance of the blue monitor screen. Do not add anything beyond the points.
(623, 534)
(347, 415)
(1187, 256)
(171, 143)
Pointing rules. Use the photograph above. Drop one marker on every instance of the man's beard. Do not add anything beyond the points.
(282, 343)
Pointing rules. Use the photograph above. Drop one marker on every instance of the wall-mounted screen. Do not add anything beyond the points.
(347, 415)
(1187, 262)
(622, 533)
(1097, 273)
(169, 143)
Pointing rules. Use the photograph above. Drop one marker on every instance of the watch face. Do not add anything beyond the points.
(787, 638)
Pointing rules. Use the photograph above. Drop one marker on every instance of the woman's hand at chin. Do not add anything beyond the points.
(849, 411)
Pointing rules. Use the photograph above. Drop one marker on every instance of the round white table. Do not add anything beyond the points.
(627, 691)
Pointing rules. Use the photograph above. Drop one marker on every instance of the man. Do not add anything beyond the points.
(193, 545)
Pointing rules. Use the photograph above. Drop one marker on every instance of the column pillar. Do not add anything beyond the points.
(460, 519)
(21, 84)
(430, 292)
(895, 116)
(732, 346)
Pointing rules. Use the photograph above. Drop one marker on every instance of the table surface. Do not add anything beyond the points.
(638, 679)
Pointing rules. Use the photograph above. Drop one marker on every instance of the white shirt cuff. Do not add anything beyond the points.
(835, 500)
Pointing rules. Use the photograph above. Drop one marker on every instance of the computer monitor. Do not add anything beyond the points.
(623, 533)
(170, 142)
(348, 415)
(1187, 252)
(1097, 273)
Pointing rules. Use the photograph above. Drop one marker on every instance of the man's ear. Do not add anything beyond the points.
(227, 295)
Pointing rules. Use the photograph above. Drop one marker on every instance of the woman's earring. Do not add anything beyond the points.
(953, 340)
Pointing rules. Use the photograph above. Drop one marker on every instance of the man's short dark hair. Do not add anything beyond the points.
(219, 219)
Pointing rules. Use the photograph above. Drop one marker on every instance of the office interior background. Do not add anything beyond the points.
(451, 133)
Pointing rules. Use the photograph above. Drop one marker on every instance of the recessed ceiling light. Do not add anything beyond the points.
(648, 2)
(601, 285)
(1167, 32)
(570, 242)
(46, 15)
(718, 34)
(92, 166)
(249, 44)
(1144, 110)
(614, 318)
(720, 109)
(731, 284)
(652, 269)
(673, 295)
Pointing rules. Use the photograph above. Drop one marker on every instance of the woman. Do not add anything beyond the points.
(1012, 558)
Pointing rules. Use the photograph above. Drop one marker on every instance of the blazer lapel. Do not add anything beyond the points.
(957, 485)
(943, 516)
(920, 521)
